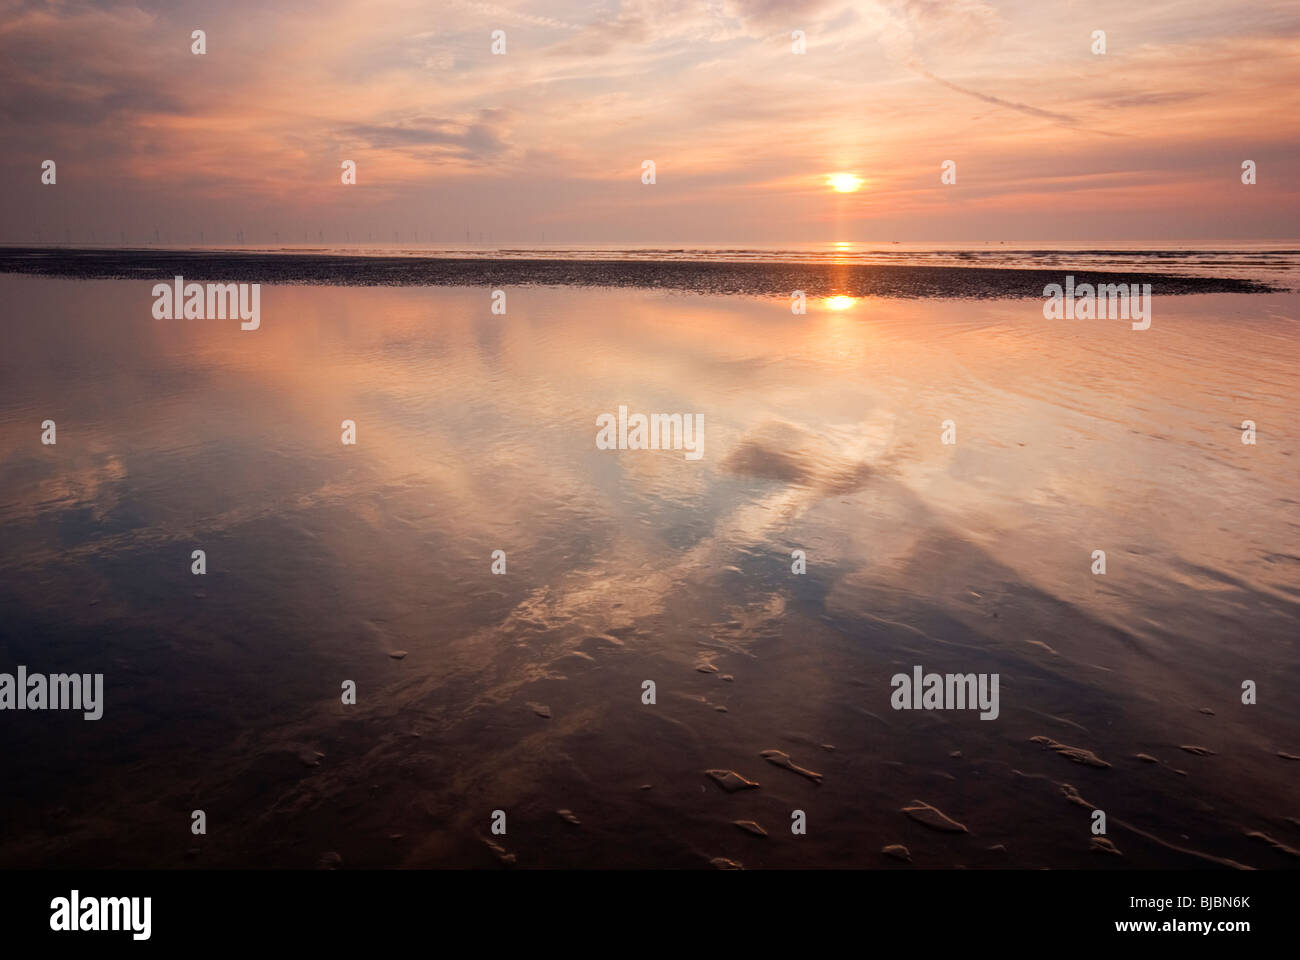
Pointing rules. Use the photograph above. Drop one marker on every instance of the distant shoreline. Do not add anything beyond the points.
(773, 278)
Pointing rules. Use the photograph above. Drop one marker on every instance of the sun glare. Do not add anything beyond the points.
(844, 182)
(839, 303)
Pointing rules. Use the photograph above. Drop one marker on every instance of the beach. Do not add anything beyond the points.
(523, 691)
(753, 273)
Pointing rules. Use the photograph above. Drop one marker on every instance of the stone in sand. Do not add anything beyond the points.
(933, 817)
(1207, 711)
(500, 851)
(1145, 758)
(1074, 797)
(730, 780)
(541, 709)
(749, 826)
(782, 759)
(1199, 751)
(1275, 844)
(329, 860)
(722, 863)
(898, 852)
(956, 754)
(568, 816)
(1104, 845)
(1287, 756)
(1077, 754)
(397, 654)
(646, 786)
(728, 677)
(707, 668)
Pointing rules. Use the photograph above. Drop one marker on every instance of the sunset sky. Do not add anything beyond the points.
(1050, 140)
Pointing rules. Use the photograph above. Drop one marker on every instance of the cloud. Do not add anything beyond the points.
(998, 101)
(605, 35)
(789, 454)
(80, 68)
(552, 135)
(513, 16)
(480, 138)
(787, 14)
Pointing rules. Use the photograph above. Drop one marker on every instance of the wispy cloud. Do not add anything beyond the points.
(742, 129)
(999, 102)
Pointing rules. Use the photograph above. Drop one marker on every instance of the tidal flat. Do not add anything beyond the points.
(523, 691)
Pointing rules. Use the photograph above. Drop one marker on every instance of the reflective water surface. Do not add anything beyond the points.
(476, 433)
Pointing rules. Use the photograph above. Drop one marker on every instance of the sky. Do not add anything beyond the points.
(547, 141)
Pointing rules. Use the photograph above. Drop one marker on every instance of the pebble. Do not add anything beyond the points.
(500, 851)
(1077, 754)
(933, 817)
(782, 759)
(1275, 844)
(1104, 845)
(731, 781)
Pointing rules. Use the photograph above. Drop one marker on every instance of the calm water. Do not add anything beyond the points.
(476, 433)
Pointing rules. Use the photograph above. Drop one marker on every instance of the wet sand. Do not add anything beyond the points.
(523, 692)
(715, 278)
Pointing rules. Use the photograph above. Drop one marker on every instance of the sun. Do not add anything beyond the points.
(844, 182)
(839, 303)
